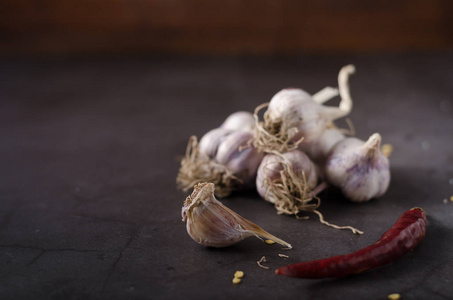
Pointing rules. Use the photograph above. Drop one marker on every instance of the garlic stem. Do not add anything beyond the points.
(345, 105)
(325, 94)
(373, 142)
(343, 86)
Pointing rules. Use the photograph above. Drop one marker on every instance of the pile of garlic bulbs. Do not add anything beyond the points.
(292, 155)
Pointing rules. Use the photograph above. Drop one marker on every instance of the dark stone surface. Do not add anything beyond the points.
(88, 156)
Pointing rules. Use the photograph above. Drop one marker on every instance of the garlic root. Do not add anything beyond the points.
(197, 167)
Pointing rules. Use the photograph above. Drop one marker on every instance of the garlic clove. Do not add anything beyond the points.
(241, 121)
(359, 168)
(212, 224)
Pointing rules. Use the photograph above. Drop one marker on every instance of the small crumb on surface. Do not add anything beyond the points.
(269, 242)
(236, 280)
(387, 149)
(394, 296)
(451, 198)
(283, 255)
(445, 200)
(239, 274)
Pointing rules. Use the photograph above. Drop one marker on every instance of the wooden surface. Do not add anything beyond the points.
(223, 27)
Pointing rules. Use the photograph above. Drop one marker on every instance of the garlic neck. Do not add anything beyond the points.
(372, 145)
(202, 193)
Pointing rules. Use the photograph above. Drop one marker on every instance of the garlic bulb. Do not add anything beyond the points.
(238, 157)
(321, 147)
(241, 120)
(209, 143)
(223, 157)
(212, 224)
(294, 119)
(359, 168)
(296, 109)
(287, 180)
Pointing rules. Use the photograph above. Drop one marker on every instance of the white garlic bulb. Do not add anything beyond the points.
(241, 120)
(296, 109)
(359, 168)
(287, 180)
(212, 224)
(293, 118)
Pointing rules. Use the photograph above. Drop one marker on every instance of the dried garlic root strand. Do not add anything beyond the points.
(210, 223)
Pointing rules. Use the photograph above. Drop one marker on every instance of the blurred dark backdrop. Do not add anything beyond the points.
(223, 27)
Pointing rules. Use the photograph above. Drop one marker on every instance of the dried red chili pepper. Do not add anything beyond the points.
(408, 231)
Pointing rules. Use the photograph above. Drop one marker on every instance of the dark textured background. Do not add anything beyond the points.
(88, 157)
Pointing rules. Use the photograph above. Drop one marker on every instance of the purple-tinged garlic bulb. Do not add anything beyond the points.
(212, 224)
(239, 157)
(223, 157)
(359, 168)
(210, 142)
(287, 180)
(241, 121)
(295, 119)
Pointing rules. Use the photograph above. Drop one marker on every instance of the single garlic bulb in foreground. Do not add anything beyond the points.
(212, 224)
(359, 168)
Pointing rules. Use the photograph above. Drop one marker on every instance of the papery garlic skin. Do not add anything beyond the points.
(241, 121)
(359, 168)
(212, 224)
(210, 142)
(271, 166)
(239, 157)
